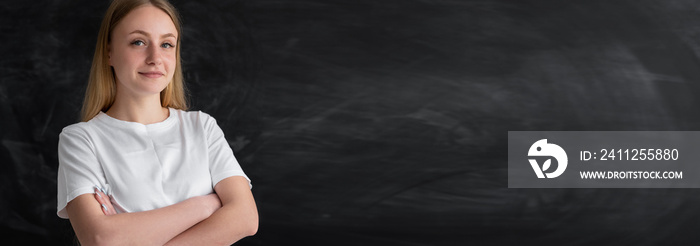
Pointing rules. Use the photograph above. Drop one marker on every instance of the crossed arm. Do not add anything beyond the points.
(216, 219)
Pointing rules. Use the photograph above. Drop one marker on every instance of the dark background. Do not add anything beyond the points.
(382, 122)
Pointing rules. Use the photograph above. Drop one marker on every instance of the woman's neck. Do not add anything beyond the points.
(142, 110)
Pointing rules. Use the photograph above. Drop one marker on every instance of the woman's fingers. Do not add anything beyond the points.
(100, 197)
(104, 201)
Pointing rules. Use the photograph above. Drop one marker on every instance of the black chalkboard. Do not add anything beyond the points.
(382, 122)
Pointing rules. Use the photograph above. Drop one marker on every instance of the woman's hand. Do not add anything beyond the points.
(104, 201)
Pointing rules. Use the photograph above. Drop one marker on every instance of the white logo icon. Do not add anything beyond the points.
(542, 148)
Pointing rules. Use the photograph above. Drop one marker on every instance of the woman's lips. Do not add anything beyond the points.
(152, 75)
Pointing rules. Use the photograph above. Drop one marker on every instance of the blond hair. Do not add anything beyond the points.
(101, 89)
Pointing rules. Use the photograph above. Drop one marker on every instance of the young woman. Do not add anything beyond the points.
(140, 169)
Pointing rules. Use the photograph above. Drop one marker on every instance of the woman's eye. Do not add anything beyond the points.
(138, 43)
(167, 45)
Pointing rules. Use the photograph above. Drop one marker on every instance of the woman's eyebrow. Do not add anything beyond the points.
(148, 35)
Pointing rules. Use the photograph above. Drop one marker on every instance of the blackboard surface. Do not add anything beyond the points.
(382, 122)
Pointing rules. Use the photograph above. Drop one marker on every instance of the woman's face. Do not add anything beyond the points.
(142, 51)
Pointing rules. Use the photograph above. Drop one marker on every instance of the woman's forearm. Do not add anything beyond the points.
(154, 227)
(226, 226)
(236, 219)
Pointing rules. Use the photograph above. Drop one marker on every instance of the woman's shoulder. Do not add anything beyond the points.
(77, 128)
(194, 116)
(84, 127)
(80, 132)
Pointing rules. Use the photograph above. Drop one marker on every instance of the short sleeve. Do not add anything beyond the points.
(78, 168)
(222, 163)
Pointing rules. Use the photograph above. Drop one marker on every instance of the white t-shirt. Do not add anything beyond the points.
(143, 167)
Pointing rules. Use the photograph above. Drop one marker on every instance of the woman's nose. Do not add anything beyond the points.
(154, 55)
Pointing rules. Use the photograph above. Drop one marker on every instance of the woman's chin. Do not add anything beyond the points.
(150, 91)
(152, 87)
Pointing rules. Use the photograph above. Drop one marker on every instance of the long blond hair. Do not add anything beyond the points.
(101, 89)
